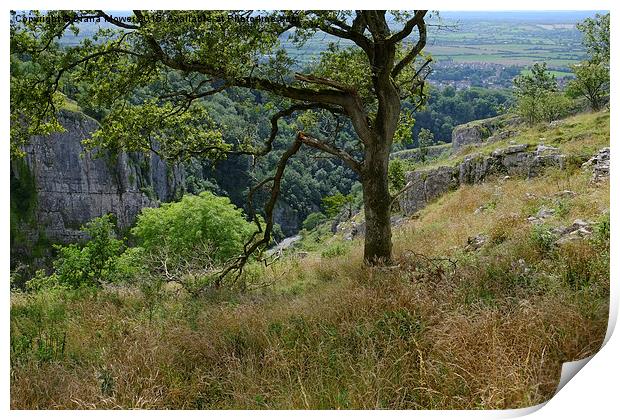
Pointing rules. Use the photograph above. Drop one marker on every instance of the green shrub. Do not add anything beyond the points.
(90, 264)
(334, 204)
(602, 230)
(198, 221)
(543, 238)
(313, 220)
(396, 175)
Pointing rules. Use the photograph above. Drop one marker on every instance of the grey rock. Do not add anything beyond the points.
(541, 150)
(581, 224)
(517, 148)
(566, 194)
(476, 242)
(545, 213)
(599, 165)
(579, 230)
(535, 220)
(483, 131)
(514, 160)
(425, 186)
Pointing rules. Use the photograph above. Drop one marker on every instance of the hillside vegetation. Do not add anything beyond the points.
(446, 327)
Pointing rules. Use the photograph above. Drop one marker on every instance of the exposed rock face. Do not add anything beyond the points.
(425, 186)
(68, 186)
(73, 186)
(599, 164)
(286, 217)
(483, 131)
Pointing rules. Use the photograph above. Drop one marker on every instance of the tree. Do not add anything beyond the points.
(537, 80)
(90, 264)
(396, 175)
(591, 82)
(592, 76)
(203, 221)
(186, 241)
(425, 140)
(313, 220)
(362, 79)
(596, 37)
(537, 96)
(334, 204)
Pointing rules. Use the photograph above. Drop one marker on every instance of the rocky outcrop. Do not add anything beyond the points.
(72, 185)
(287, 217)
(599, 165)
(483, 131)
(517, 160)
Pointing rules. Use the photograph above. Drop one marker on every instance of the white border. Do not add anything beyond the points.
(593, 393)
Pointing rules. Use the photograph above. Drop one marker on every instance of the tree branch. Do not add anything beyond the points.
(416, 20)
(251, 246)
(332, 150)
(414, 52)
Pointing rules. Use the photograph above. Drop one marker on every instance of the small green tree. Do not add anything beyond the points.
(333, 204)
(313, 220)
(203, 220)
(91, 264)
(184, 242)
(592, 75)
(591, 82)
(596, 37)
(553, 106)
(396, 175)
(426, 139)
(538, 97)
(537, 80)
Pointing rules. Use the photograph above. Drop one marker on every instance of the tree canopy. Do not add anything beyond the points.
(375, 61)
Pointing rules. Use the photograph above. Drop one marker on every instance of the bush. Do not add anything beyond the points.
(334, 250)
(90, 264)
(538, 97)
(196, 223)
(396, 175)
(313, 220)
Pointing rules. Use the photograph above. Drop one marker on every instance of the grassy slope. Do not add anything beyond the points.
(490, 332)
(580, 136)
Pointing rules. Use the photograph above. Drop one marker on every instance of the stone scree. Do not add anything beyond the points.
(425, 186)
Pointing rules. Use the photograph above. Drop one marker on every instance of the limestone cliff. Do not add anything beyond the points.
(59, 186)
(521, 160)
(70, 186)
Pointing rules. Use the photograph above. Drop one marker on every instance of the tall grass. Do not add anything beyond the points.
(444, 328)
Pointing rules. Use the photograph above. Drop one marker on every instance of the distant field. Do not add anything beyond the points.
(507, 38)
(506, 42)
(553, 72)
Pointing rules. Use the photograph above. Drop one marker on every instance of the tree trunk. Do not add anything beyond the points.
(378, 239)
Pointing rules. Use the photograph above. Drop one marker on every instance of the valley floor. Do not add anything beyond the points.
(449, 326)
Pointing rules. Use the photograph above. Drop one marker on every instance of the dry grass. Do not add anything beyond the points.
(488, 332)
